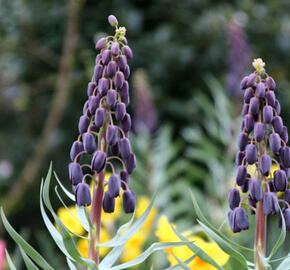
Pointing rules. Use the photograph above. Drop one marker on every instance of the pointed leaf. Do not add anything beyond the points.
(9, 261)
(176, 267)
(29, 264)
(181, 263)
(285, 264)
(69, 194)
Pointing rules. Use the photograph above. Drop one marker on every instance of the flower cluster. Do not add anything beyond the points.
(104, 126)
(262, 143)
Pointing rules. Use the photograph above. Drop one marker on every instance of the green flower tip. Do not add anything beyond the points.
(259, 65)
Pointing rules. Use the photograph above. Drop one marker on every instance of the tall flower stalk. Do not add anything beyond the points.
(104, 135)
(263, 144)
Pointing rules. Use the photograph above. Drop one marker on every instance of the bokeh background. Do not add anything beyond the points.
(189, 57)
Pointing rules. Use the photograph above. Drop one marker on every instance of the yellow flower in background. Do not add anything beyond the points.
(69, 219)
(83, 244)
(142, 204)
(166, 234)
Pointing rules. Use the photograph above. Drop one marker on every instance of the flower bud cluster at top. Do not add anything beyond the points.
(104, 126)
(263, 143)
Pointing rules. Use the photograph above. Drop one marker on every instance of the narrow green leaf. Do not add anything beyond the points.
(198, 251)
(70, 264)
(175, 267)
(28, 262)
(281, 238)
(111, 257)
(141, 258)
(69, 194)
(9, 261)
(285, 264)
(279, 259)
(181, 263)
(83, 218)
(224, 245)
(22, 243)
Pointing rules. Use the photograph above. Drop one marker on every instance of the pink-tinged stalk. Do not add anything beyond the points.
(2, 253)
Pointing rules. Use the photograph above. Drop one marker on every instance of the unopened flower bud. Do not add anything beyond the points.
(84, 124)
(75, 173)
(112, 20)
(287, 218)
(98, 72)
(245, 109)
(277, 106)
(270, 203)
(114, 185)
(111, 98)
(234, 198)
(255, 188)
(119, 79)
(277, 124)
(248, 94)
(124, 177)
(126, 123)
(287, 195)
(111, 69)
(260, 90)
(238, 219)
(251, 79)
(94, 102)
(252, 203)
(285, 156)
(249, 122)
(268, 114)
(245, 185)
(115, 149)
(108, 203)
(89, 142)
(254, 105)
(122, 62)
(270, 97)
(83, 194)
(127, 72)
(99, 161)
(271, 186)
(129, 201)
(106, 56)
(280, 180)
(100, 117)
(284, 134)
(115, 48)
(125, 147)
(120, 111)
(270, 83)
(112, 135)
(243, 141)
(251, 153)
(76, 148)
(124, 93)
(241, 175)
(239, 158)
(103, 86)
(244, 82)
(275, 142)
(259, 131)
(128, 52)
(101, 44)
(130, 163)
(265, 164)
(91, 88)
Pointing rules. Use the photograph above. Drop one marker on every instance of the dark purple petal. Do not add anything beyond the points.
(254, 105)
(111, 98)
(265, 164)
(84, 124)
(129, 201)
(234, 198)
(125, 147)
(255, 188)
(270, 83)
(100, 117)
(275, 142)
(259, 131)
(76, 148)
(108, 203)
(112, 135)
(128, 52)
(75, 173)
(251, 153)
(120, 111)
(268, 114)
(280, 180)
(83, 194)
(241, 175)
(98, 161)
(89, 142)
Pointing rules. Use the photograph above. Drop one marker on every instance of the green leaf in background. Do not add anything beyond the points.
(285, 264)
(24, 245)
(70, 264)
(69, 194)
(181, 263)
(111, 257)
(9, 261)
(176, 267)
(197, 250)
(29, 263)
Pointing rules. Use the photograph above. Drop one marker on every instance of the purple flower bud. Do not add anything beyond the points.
(255, 188)
(248, 94)
(245, 109)
(111, 98)
(112, 135)
(103, 86)
(260, 90)
(91, 88)
(238, 219)
(122, 62)
(98, 161)
(126, 123)
(252, 203)
(285, 156)
(93, 127)
(251, 153)
(270, 83)
(115, 48)
(259, 131)
(128, 52)
(280, 180)
(83, 194)
(115, 149)
(108, 203)
(270, 97)
(119, 79)
(89, 142)
(106, 56)
(130, 163)
(124, 177)
(125, 147)
(234, 198)
(254, 105)
(243, 84)
(100, 117)
(271, 186)
(239, 158)
(287, 218)
(249, 122)
(127, 72)
(277, 106)
(251, 79)
(75, 173)
(101, 44)
(83, 124)
(124, 93)
(284, 134)
(275, 142)
(129, 201)
(243, 141)
(265, 165)
(287, 195)
(241, 175)
(111, 69)
(98, 72)
(76, 148)
(277, 124)
(114, 185)
(268, 114)
(85, 108)
(112, 20)
(270, 203)
(94, 102)
(120, 111)
(245, 185)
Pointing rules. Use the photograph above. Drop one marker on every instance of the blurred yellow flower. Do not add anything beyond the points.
(70, 219)
(142, 204)
(166, 234)
(83, 244)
